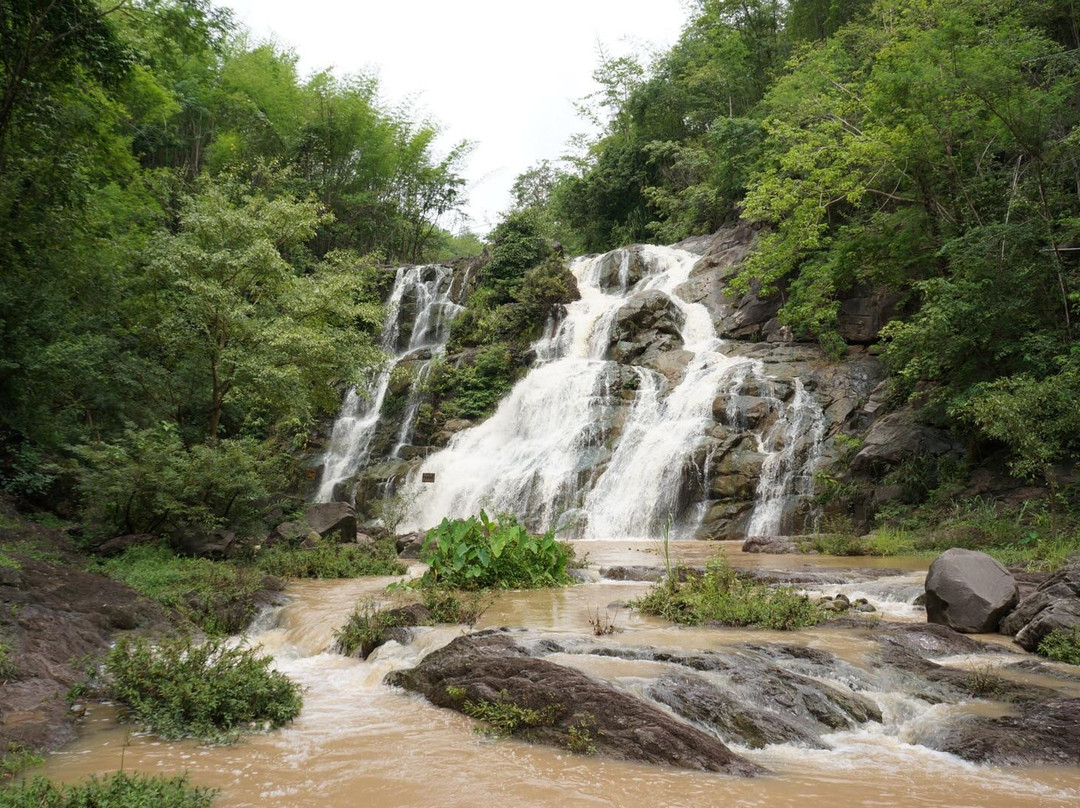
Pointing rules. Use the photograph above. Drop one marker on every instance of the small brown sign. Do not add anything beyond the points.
(428, 477)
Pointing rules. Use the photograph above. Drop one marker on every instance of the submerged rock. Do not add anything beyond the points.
(1038, 735)
(968, 591)
(734, 718)
(777, 545)
(561, 707)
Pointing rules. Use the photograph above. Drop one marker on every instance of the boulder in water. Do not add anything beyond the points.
(778, 545)
(1055, 604)
(968, 591)
(561, 706)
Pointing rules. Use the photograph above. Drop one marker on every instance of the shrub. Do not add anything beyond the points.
(119, 790)
(365, 630)
(331, 560)
(720, 596)
(504, 717)
(1062, 646)
(476, 553)
(217, 596)
(211, 691)
(14, 759)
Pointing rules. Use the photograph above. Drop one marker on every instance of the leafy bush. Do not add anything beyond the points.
(119, 790)
(331, 560)
(212, 691)
(476, 553)
(149, 482)
(14, 759)
(720, 596)
(1062, 646)
(365, 629)
(504, 717)
(217, 596)
(472, 389)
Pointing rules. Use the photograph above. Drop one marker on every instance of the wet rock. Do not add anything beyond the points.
(774, 545)
(730, 716)
(752, 674)
(726, 521)
(968, 591)
(647, 325)
(330, 518)
(619, 270)
(409, 545)
(1055, 604)
(631, 573)
(929, 639)
(490, 667)
(1045, 734)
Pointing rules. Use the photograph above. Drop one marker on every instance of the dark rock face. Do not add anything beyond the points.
(1040, 734)
(968, 591)
(490, 667)
(621, 269)
(899, 436)
(736, 721)
(329, 518)
(647, 325)
(117, 545)
(861, 317)
(409, 545)
(778, 545)
(1055, 604)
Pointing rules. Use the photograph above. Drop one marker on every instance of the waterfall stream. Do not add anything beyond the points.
(428, 290)
(563, 448)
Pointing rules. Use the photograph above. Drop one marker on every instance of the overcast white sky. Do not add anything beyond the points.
(501, 73)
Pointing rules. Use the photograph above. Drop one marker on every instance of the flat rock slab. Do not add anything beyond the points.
(969, 591)
(1054, 605)
(489, 667)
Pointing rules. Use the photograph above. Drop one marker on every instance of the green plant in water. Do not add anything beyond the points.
(581, 734)
(365, 629)
(720, 596)
(984, 680)
(14, 759)
(119, 790)
(1062, 646)
(212, 691)
(505, 717)
(478, 553)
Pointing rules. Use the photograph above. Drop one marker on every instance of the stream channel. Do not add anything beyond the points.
(360, 742)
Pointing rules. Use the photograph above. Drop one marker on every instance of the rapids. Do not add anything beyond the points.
(358, 741)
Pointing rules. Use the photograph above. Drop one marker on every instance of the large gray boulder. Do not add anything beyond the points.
(648, 323)
(968, 591)
(900, 436)
(328, 518)
(1055, 604)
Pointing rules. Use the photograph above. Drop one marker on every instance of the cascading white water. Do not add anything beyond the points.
(542, 454)
(429, 289)
(793, 447)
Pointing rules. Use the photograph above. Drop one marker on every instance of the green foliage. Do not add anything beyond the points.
(581, 734)
(365, 629)
(477, 553)
(149, 481)
(504, 717)
(217, 596)
(118, 790)
(14, 759)
(473, 388)
(331, 560)
(720, 596)
(212, 691)
(1061, 646)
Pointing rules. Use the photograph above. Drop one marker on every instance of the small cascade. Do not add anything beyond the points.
(793, 447)
(422, 300)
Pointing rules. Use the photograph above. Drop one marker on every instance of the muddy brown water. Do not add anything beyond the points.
(358, 742)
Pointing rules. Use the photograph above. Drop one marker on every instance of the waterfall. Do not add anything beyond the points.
(553, 448)
(426, 293)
